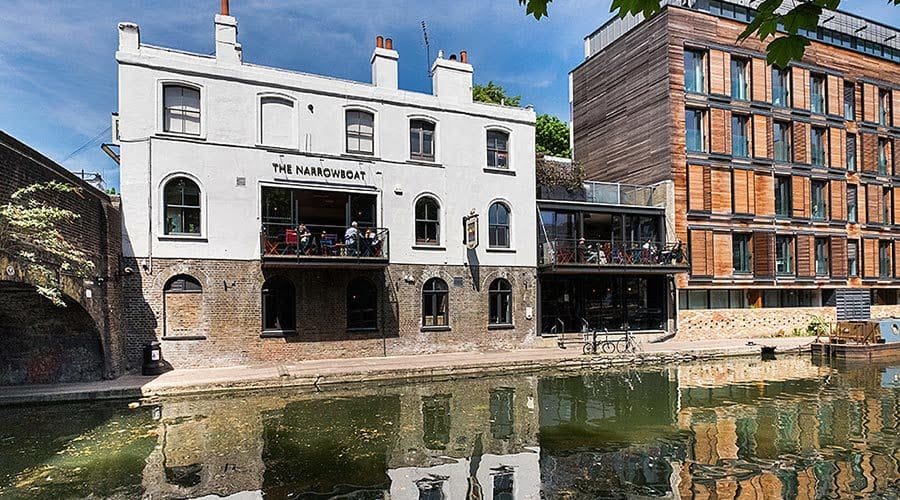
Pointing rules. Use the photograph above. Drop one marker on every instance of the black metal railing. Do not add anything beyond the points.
(608, 253)
(324, 242)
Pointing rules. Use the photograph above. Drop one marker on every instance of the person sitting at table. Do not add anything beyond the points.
(368, 243)
(350, 238)
(304, 239)
(601, 256)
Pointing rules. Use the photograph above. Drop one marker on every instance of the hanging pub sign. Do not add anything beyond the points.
(470, 225)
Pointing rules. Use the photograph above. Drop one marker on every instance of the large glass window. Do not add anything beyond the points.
(428, 221)
(781, 139)
(819, 201)
(500, 302)
(817, 94)
(884, 106)
(498, 226)
(278, 305)
(739, 81)
(360, 132)
(741, 253)
(181, 109)
(851, 152)
(781, 87)
(783, 195)
(784, 255)
(362, 305)
(435, 303)
(853, 258)
(277, 122)
(695, 129)
(740, 136)
(852, 204)
(885, 268)
(849, 101)
(883, 155)
(182, 207)
(497, 149)
(695, 71)
(817, 146)
(821, 252)
(421, 140)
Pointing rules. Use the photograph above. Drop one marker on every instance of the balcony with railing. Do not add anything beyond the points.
(607, 193)
(324, 246)
(583, 254)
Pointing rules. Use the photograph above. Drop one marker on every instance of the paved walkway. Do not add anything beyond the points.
(319, 374)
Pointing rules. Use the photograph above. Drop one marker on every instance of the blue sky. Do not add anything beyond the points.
(58, 71)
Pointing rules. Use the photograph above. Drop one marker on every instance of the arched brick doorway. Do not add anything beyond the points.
(41, 343)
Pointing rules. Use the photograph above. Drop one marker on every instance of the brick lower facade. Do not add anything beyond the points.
(703, 324)
(222, 325)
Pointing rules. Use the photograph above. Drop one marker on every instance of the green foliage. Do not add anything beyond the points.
(29, 234)
(781, 49)
(818, 326)
(552, 136)
(111, 191)
(555, 174)
(494, 93)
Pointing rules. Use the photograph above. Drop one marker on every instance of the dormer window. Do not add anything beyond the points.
(497, 149)
(360, 132)
(181, 109)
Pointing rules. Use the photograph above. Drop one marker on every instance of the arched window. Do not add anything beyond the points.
(500, 302)
(435, 299)
(498, 226)
(277, 122)
(362, 309)
(182, 283)
(497, 149)
(428, 221)
(182, 206)
(183, 308)
(278, 305)
(181, 109)
(360, 132)
(421, 140)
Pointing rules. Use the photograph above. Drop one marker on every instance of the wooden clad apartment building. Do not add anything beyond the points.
(786, 182)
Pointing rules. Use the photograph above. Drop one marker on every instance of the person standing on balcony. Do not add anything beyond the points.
(304, 238)
(351, 236)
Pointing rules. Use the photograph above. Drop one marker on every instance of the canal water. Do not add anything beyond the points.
(739, 428)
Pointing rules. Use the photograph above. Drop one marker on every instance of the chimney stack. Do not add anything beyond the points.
(451, 79)
(228, 50)
(129, 38)
(384, 64)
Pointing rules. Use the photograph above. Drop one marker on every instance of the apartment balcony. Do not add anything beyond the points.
(581, 255)
(324, 246)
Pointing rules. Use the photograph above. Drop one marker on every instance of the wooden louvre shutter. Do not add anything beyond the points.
(744, 191)
(722, 254)
(869, 152)
(717, 139)
(838, 191)
(800, 142)
(835, 88)
(870, 102)
(800, 196)
(698, 187)
(761, 126)
(896, 249)
(764, 192)
(838, 141)
(874, 204)
(896, 157)
(896, 202)
(761, 74)
(721, 191)
(870, 258)
(701, 252)
(718, 72)
(763, 255)
(838, 257)
(895, 109)
(800, 87)
(805, 257)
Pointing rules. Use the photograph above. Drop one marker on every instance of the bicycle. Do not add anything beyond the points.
(606, 345)
(628, 344)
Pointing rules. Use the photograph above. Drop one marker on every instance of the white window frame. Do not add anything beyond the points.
(487, 226)
(376, 135)
(510, 165)
(442, 222)
(437, 133)
(295, 121)
(161, 108)
(161, 209)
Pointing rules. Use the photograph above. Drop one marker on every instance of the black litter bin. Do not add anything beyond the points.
(153, 360)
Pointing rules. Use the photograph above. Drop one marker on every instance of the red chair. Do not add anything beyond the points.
(290, 240)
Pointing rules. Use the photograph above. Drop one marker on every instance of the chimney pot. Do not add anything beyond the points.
(379, 41)
(388, 44)
(452, 57)
(225, 8)
(464, 56)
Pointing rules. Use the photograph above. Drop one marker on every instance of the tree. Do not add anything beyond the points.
(494, 93)
(781, 49)
(552, 136)
(30, 235)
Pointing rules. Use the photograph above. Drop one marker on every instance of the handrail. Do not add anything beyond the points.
(323, 241)
(610, 253)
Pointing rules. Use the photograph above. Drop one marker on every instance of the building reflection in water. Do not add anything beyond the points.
(736, 429)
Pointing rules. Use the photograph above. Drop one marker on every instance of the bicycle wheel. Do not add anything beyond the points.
(588, 348)
(608, 347)
(622, 346)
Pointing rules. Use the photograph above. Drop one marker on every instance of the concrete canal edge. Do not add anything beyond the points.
(364, 371)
